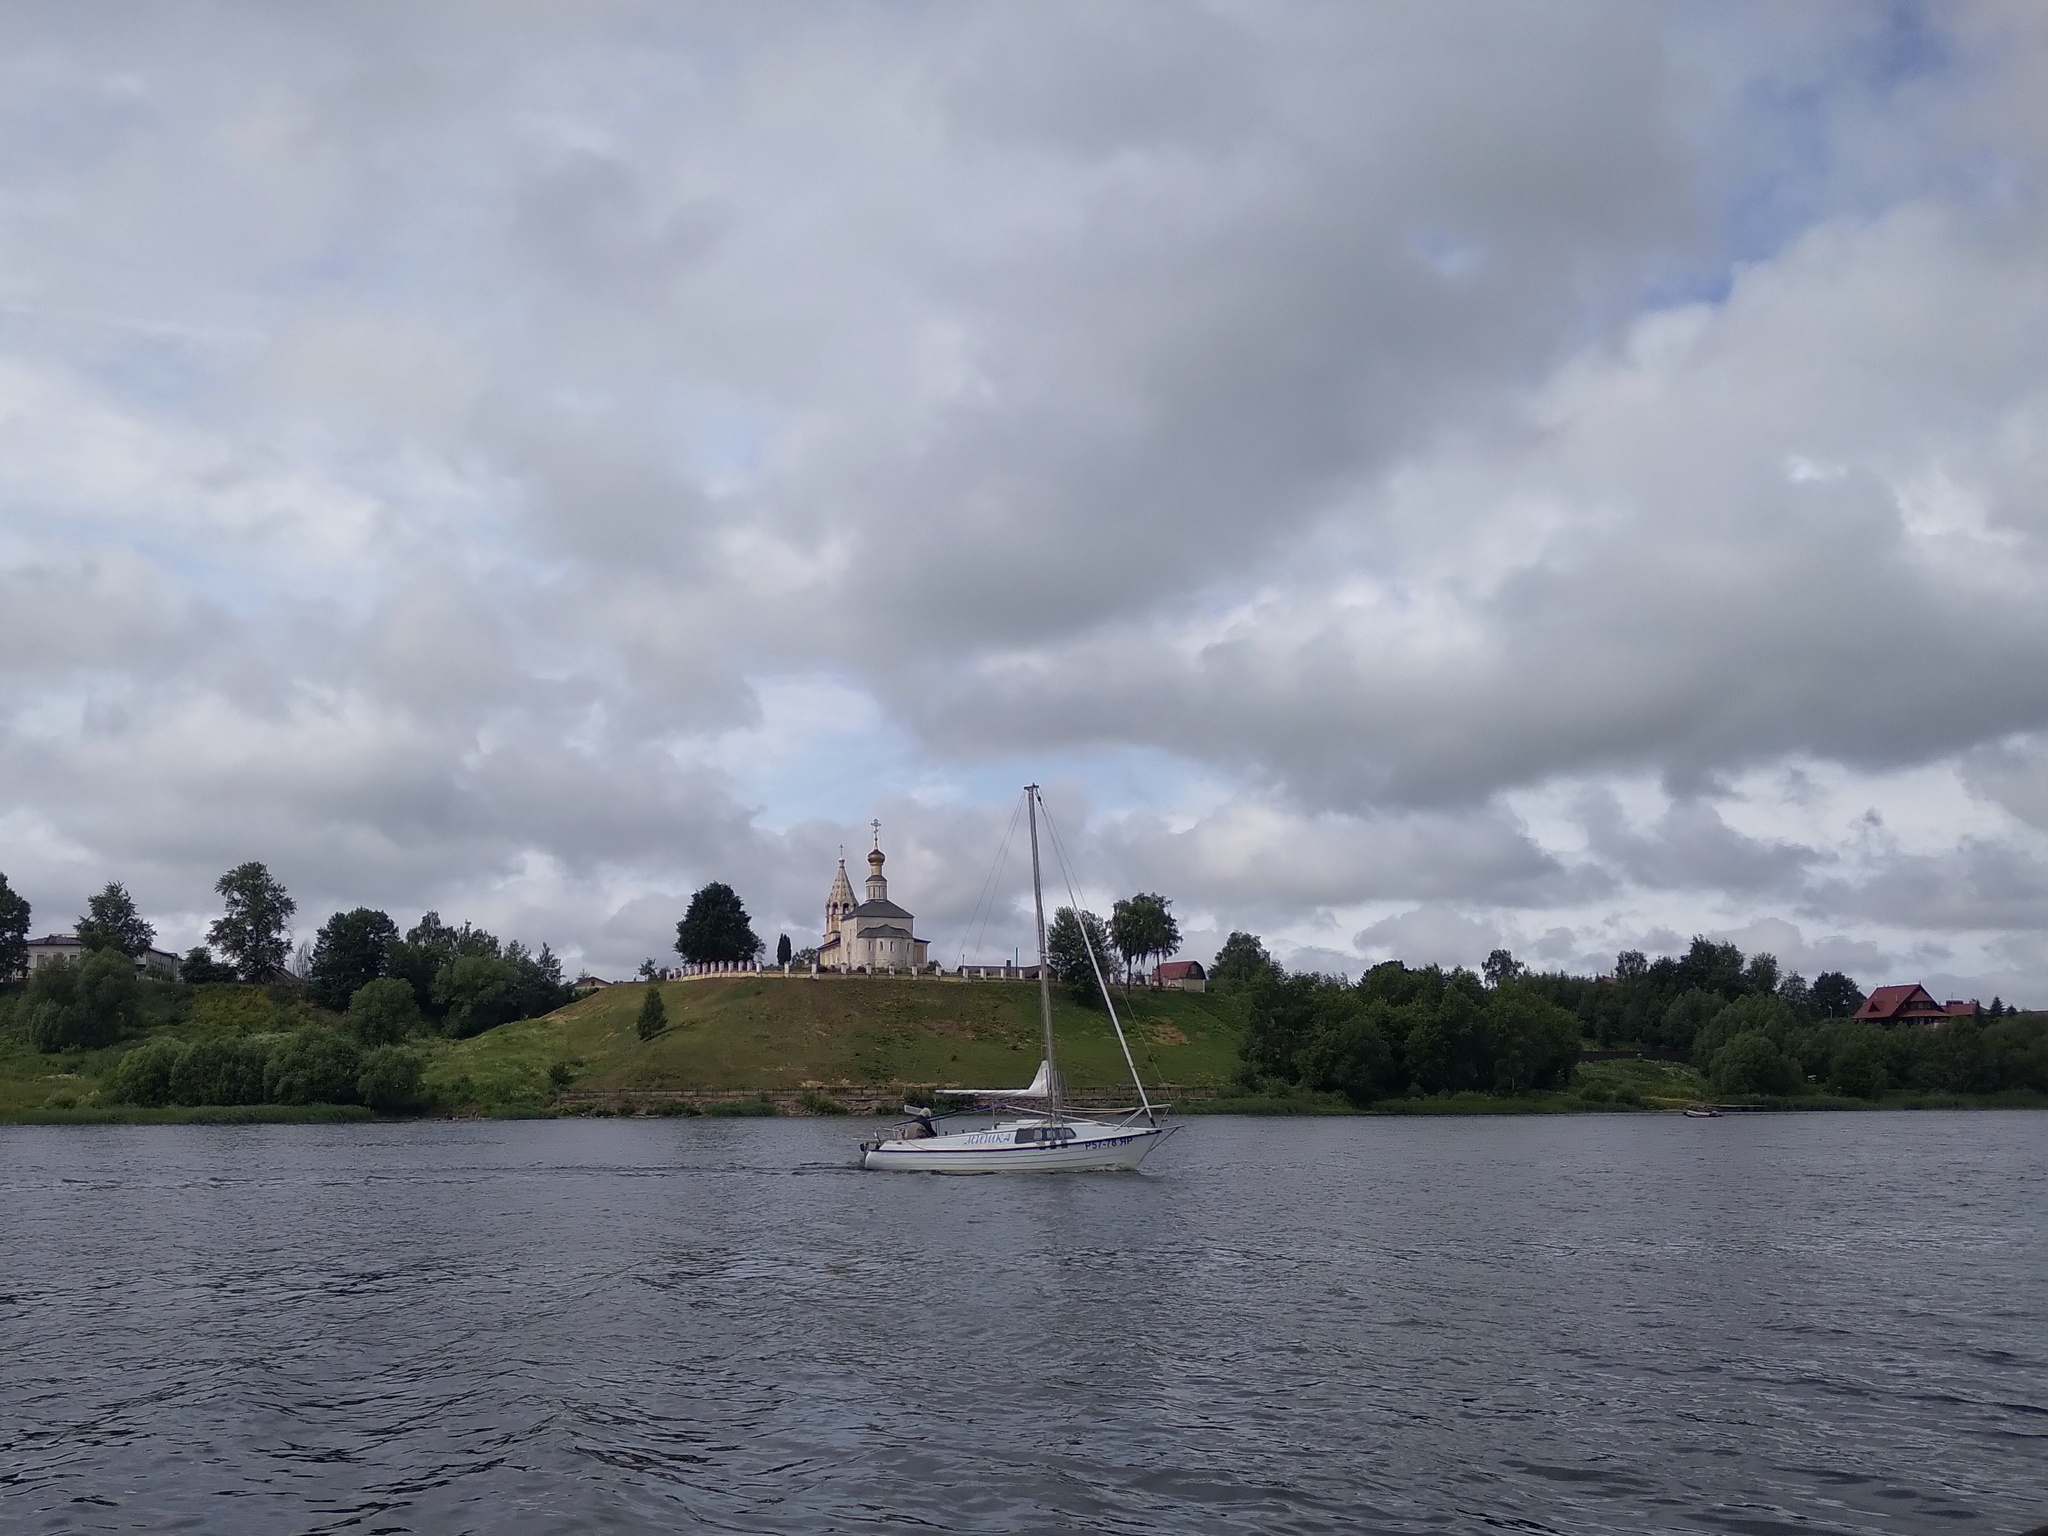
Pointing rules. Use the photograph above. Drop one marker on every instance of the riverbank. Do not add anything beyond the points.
(770, 1045)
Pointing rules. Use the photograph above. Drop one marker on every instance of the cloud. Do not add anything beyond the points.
(1430, 935)
(1425, 474)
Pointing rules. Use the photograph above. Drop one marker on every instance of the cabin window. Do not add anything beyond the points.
(1041, 1133)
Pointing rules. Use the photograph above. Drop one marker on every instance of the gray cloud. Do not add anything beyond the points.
(433, 437)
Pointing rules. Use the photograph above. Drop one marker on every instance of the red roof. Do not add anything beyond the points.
(1910, 1005)
(1181, 970)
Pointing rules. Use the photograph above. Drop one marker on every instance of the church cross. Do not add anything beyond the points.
(877, 825)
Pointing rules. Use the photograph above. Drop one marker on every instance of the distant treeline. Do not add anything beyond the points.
(459, 981)
(1394, 1031)
(1397, 1032)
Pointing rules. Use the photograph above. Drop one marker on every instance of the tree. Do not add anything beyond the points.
(143, 1075)
(476, 993)
(782, 950)
(351, 950)
(255, 930)
(1858, 1068)
(111, 922)
(220, 1070)
(1535, 1043)
(428, 946)
(83, 1006)
(1834, 995)
(314, 1066)
(1241, 961)
(1752, 1064)
(1501, 966)
(384, 1011)
(1761, 974)
(1282, 1019)
(1631, 965)
(716, 928)
(1712, 967)
(1797, 995)
(1067, 944)
(200, 968)
(14, 915)
(1141, 926)
(653, 1014)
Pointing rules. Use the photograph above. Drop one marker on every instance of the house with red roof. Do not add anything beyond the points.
(1912, 1005)
(1181, 976)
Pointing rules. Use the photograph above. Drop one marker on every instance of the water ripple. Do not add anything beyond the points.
(1588, 1325)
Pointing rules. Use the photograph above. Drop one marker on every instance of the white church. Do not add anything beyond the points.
(873, 935)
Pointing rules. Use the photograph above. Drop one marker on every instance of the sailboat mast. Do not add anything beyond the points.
(1044, 982)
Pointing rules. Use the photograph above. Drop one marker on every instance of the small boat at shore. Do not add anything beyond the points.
(1028, 1129)
(1702, 1112)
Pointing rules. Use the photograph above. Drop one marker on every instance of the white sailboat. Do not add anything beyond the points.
(1028, 1129)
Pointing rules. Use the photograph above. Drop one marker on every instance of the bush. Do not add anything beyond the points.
(384, 1011)
(143, 1076)
(744, 1108)
(390, 1078)
(230, 1006)
(219, 1071)
(314, 1066)
(1858, 1069)
(2018, 1048)
(1752, 1064)
(53, 1027)
(822, 1103)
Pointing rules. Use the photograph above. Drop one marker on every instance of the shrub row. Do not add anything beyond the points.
(309, 1066)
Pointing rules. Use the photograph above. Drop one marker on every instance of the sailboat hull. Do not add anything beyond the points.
(1094, 1149)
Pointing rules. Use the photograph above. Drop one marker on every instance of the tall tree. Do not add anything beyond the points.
(1067, 943)
(1501, 966)
(351, 950)
(255, 930)
(1762, 974)
(782, 950)
(111, 922)
(1834, 995)
(1142, 926)
(653, 1015)
(14, 915)
(716, 928)
(1241, 961)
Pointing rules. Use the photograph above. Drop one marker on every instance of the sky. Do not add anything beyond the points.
(1406, 479)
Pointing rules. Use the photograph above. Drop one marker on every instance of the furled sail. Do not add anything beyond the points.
(1041, 1087)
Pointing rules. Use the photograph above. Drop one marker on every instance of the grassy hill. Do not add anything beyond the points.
(774, 1033)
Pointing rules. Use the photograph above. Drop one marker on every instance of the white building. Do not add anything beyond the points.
(66, 946)
(873, 935)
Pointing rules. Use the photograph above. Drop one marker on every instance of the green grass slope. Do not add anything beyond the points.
(776, 1033)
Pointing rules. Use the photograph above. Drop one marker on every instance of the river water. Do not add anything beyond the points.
(1621, 1323)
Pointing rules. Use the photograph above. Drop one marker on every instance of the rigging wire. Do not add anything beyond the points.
(988, 888)
(1059, 850)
